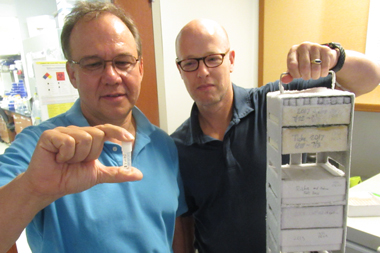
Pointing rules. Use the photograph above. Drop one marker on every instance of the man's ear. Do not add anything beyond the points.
(141, 66)
(71, 72)
(232, 60)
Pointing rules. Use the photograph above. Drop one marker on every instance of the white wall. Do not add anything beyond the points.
(10, 43)
(365, 159)
(239, 17)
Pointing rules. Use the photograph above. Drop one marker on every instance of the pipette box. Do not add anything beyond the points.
(307, 198)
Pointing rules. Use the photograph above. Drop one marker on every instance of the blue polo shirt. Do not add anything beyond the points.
(225, 180)
(119, 217)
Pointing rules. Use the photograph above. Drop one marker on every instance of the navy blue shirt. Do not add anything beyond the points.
(225, 180)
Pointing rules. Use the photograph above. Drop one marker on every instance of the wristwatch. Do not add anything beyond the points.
(342, 55)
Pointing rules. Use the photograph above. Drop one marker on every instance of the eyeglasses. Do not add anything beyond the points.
(123, 64)
(211, 61)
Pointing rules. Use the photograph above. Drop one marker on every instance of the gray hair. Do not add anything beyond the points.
(91, 10)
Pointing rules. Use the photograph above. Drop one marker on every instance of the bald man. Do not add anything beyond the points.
(222, 146)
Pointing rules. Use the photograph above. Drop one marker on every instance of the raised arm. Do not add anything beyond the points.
(359, 74)
(64, 162)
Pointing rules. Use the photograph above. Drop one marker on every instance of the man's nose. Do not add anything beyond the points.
(202, 69)
(110, 68)
(110, 74)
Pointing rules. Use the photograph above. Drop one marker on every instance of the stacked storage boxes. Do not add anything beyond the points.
(307, 201)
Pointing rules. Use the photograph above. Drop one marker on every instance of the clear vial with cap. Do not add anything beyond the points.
(126, 147)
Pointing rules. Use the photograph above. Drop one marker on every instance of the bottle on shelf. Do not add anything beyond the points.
(36, 110)
(18, 103)
(5, 102)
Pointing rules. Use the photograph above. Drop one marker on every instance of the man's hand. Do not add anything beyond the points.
(65, 161)
(300, 59)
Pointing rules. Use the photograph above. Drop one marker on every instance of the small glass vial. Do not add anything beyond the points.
(126, 147)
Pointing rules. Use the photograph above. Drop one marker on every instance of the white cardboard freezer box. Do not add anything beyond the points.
(294, 240)
(312, 217)
(312, 183)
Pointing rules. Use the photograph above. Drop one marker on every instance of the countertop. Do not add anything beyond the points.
(365, 230)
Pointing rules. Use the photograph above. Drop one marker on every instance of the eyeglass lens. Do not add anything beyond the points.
(211, 61)
(121, 63)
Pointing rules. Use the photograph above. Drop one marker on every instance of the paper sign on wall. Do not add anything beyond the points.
(55, 91)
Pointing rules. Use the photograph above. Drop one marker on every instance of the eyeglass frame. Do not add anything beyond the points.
(203, 59)
(104, 63)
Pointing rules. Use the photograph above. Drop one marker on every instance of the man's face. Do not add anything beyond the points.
(106, 95)
(205, 85)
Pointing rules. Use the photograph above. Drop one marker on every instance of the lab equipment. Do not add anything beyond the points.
(307, 201)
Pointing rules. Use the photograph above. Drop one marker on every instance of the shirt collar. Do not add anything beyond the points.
(75, 115)
(77, 118)
(144, 128)
(242, 103)
(242, 107)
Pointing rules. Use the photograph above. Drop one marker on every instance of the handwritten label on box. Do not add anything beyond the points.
(316, 115)
(314, 139)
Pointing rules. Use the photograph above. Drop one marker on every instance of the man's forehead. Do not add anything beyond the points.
(92, 38)
(200, 47)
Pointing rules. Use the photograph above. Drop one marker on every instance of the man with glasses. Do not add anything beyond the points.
(56, 177)
(222, 146)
